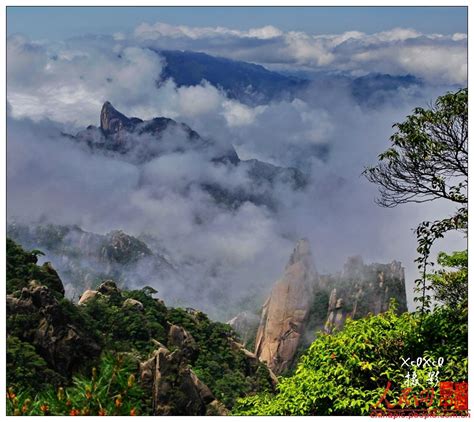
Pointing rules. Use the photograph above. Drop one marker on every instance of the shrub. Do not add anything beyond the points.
(347, 372)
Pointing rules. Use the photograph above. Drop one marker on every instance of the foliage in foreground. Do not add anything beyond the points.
(450, 281)
(117, 328)
(111, 390)
(347, 372)
(428, 161)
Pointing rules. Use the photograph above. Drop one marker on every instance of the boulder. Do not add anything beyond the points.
(179, 338)
(87, 295)
(134, 304)
(108, 287)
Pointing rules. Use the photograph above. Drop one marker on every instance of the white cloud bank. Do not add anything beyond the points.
(433, 57)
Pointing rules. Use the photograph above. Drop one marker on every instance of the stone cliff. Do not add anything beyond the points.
(285, 312)
(362, 289)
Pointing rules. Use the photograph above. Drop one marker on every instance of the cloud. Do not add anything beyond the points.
(163, 30)
(68, 83)
(433, 57)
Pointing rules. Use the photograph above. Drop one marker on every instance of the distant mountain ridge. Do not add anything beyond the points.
(254, 84)
(246, 82)
(84, 258)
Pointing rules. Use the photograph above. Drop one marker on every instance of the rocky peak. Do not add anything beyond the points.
(303, 302)
(111, 120)
(123, 248)
(175, 388)
(285, 312)
(301, 253)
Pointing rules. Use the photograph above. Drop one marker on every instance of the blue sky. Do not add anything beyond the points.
(56, 23)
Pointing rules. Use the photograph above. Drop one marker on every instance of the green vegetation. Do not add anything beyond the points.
(111, 390)
(428, 161)
(36, 368)
(54, 346)
(22, 268)
(347, 372)
(26, 370)
(451, 287)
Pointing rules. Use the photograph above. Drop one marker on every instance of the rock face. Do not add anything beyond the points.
(362, 289)
(175, 388)
(62, 343)
(285, 312)
(112, 121)
(303, 303)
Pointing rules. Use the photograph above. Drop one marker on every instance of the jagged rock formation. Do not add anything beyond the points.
(63, 344)
(137, 141)
(84, 258)
(175, 388)
(285, 312)
(362, 289)
(302, 303)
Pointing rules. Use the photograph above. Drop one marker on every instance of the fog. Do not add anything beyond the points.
(227, 258)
